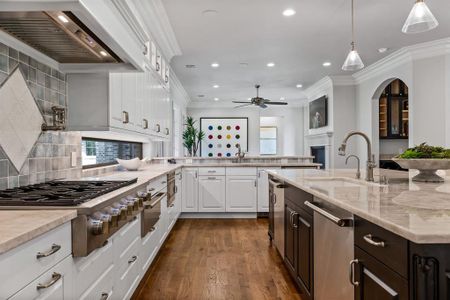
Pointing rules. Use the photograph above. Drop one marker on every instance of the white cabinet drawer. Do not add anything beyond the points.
(149, 248)
(102, 288)
(211, 171)
(124, 237)
(241, 171)
(21, 265)
(55, 284)
(88, 269)
(127, 273)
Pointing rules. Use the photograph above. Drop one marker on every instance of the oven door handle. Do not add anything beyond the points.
(338, 221)
(157, 200)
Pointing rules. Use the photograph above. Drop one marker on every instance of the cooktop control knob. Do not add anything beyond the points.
(114, 214)
(96, 227)
(129, 206)
(143, 196)
(123, 208)
(135, 201)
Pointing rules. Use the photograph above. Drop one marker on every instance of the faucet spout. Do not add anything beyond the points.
(370, 158)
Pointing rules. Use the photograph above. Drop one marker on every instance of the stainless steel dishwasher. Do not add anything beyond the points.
(278, 214)
(333, 250)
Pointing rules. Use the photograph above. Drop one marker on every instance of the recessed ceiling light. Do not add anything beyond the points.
(216, 99)
(63, 19)
(326, 64)
(299, 86)
(288, 12)
(103, 53)
(282, 98)
(215, 65)
(382, 50)
(216, 86)
(271, 64)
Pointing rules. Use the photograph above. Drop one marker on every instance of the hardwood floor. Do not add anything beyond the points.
(218, 259)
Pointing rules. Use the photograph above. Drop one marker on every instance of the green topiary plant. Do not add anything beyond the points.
(192, 137)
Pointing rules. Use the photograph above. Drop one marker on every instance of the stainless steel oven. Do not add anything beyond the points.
(152, 211)
(171, 189)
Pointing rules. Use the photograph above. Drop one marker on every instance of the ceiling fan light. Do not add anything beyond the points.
(420, 19)
(353, 61)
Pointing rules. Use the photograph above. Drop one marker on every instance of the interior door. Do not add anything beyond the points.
(211, 193)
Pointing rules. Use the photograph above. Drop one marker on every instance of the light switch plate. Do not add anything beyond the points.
(73, 159)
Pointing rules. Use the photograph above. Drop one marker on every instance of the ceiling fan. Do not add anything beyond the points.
(258, 101)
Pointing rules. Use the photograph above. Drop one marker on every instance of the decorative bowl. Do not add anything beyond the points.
(427, 168)
(130, 164)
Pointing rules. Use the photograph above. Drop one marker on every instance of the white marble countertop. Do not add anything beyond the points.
(20, 226)
(419, 212)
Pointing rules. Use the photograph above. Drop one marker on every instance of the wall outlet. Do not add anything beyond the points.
(73, 159)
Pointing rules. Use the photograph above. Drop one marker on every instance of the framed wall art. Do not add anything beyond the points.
(318, 113)
(222, 136)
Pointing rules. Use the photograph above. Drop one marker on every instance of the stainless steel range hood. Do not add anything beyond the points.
(59, 35)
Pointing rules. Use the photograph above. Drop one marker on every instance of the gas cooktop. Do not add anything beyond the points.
(59, 193)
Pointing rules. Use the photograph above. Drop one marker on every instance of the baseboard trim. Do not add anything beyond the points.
(218, 215)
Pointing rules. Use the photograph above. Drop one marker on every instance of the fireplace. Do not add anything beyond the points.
(319, 155)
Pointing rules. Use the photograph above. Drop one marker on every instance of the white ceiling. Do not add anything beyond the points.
(256, 32)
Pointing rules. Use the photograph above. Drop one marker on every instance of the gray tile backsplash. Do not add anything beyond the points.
(50, 157)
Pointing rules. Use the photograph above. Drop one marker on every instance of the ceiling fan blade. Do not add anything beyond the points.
(262, 105)
(241, 102)
(243, 105)
(276, 103)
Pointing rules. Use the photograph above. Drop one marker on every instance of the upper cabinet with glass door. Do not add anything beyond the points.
(394, 111)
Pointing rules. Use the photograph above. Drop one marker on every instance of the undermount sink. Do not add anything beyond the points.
(343, 181)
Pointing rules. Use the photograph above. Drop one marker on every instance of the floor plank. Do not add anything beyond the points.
(218, 259)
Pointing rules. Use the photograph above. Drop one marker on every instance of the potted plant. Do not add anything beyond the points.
(192, 137)
(427, 159)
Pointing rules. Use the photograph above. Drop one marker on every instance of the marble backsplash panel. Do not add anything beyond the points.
(50, 157)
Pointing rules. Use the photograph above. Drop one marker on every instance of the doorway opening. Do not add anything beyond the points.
(393, 122)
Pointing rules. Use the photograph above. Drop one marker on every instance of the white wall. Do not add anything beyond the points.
(393, 146)
(289, 122)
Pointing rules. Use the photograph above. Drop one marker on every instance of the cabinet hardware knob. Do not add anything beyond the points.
(352, 272)
(55, 248)
(55, 278)
(369, 239)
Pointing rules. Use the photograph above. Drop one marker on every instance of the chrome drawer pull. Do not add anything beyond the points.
(104, 296)
(55, 278)
(132, 259)
(369, 239)
(352, 272)
(55, 248)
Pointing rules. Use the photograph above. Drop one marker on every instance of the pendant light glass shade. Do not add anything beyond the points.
(420, 19)
(353, 62)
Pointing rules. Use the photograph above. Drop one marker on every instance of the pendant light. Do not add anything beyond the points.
(353, 62)
(420, 19)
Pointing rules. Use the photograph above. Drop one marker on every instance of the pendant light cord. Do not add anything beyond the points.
(353, 27)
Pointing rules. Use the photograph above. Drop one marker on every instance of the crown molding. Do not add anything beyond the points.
(403, 56)
(158, 25)
(318, 87)
(129, 13)
(342, 80)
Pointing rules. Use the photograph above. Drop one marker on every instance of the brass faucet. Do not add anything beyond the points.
(370, 158)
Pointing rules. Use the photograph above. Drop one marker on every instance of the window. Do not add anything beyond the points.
(98, 152)
(268, 140)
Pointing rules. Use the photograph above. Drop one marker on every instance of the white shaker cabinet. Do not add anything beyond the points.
(190, 190)
(211, 194)
(241, 193)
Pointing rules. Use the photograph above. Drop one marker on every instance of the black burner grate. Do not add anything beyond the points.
(59, 193)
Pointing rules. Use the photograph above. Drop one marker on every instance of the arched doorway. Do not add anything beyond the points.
(391, 117)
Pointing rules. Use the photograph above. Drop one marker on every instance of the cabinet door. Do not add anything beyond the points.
(178, 193)
(271, 213)
(263, 191)
(53, 284)
(304, 245)
(376, 281)
(211, 193)
(129, 99)
(190, 190)
(139, 110)
(115, 100)
(289, 238)
(241, 194)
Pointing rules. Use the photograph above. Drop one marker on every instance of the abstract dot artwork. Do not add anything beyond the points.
(223, 135)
